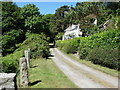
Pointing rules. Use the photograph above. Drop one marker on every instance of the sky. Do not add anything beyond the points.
(47, 7)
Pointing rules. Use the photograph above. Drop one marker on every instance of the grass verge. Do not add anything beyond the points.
(94, 66)
(45, 74)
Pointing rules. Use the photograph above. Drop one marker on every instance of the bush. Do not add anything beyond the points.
(69, 46)
(105, 57)
(59, 36)
(103, 48)
(9, 41)
(83, 53)
(39, 48)
(107, 39)
(59, 43)
(10, 62)
(38, 45)
(93, 29)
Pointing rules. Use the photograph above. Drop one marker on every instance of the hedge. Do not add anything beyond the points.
(105, 57)
(69, 46)
(101, 48)
(107, 39)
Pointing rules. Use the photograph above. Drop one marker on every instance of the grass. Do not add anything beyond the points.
(94, 66)
(45, 74)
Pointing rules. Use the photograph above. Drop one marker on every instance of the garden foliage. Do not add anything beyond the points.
(39, 48)
(69, 46)
(101, 48)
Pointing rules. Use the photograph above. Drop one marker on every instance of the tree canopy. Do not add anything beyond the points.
(84, 13)
(18, 23)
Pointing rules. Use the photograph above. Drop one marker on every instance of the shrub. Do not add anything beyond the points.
(105, 57)
(93, 29)
(9, 41)
(59, 36)
(69, 46)
(59, 43)
(10, 62)
(38, 45)
(106, 39)
(39, 48)
(103, 48)
(83, 53)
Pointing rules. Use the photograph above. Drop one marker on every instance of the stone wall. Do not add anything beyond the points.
(7, 80)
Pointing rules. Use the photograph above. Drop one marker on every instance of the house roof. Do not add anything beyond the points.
(72, 27)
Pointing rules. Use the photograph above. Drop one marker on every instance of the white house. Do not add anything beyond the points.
(72, 32)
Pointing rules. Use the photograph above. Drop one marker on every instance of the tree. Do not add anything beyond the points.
(60, 17)
(10, 15)
(30, 15)
(33, 24)
(45, 24)
(59, 22)
(83, 13)
(59, 14)
(29, 10)
(12, 34)
(113, 6)
(87, 12)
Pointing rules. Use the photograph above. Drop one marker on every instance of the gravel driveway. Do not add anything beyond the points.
(82, 75)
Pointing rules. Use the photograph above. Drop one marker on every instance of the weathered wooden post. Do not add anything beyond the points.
(28, 49)
(27, 56)
(23, 72)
